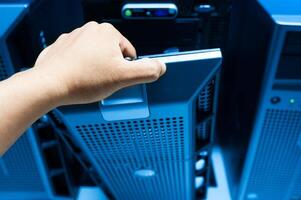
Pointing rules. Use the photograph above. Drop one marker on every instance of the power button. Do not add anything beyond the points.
(275, 100)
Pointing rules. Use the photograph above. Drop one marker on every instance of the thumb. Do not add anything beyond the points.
(145, 70)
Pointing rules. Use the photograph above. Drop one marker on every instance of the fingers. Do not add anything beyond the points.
(143, 71)
(127, 49)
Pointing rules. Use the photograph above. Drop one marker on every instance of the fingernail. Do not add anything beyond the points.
(163, 68)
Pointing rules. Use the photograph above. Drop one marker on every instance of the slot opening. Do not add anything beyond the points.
(52, 157)
(60, 185)
(45, 133)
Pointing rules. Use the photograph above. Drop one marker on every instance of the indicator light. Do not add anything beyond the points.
(292, 101)
(128, 13)
(161, 13)
(149, 11)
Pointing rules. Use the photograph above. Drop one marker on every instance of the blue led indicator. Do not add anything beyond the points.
(161, 13)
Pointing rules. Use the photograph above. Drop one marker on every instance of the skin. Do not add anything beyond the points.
(84, 66)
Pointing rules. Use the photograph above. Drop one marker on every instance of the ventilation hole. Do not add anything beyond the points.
(121, 148)
(203, 134)
(23, 171)
(60, 185)
(205, 100)
(52, 157)
(45, 133)
(276, 156)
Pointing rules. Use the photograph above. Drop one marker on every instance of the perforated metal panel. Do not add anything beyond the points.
(296, 190)
(277, 156)
(18, 169)
(3, 72)
(123, 148)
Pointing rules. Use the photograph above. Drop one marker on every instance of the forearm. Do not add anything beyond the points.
(84, 66)
(23, 99)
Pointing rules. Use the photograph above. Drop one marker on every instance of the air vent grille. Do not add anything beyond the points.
(123, 148)
(18, 169)
(164, 137)
(204, 130)
(203, 134)
(3, 72)
(277, 155)
(206, 98)
(297, 187)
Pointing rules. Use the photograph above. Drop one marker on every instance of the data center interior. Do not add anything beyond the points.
(224, 123)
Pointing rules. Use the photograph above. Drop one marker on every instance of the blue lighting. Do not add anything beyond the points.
(161, 13)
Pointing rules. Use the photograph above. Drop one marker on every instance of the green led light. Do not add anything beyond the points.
(128, 13)
(292, 101)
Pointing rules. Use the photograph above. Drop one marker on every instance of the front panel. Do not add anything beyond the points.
(166, 154)
(259, 126)
(277, 157)
(28, 181)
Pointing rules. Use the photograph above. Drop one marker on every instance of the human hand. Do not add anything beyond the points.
(88, 65)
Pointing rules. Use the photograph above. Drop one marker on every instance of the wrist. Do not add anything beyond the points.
(44, 86)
